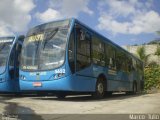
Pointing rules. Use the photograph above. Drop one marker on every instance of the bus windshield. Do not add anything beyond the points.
(5, 47)
(44, 48)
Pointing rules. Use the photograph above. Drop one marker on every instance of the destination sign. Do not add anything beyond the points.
(34, 38)
(6, 41)
(30, 67)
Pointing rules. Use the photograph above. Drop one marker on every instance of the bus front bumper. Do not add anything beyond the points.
(63, 84)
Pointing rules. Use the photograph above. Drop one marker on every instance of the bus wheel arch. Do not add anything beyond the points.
(100, 87)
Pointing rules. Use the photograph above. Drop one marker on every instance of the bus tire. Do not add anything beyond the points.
(100, 89)
(60, 96)
(134, 88)
(109, 93)
(17, 94)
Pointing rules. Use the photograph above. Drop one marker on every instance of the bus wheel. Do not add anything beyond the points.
(60, 96)
(134, 88)
(100, 89)
(109, 93)
(18, 94)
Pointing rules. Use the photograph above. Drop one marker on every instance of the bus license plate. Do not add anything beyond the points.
(37, 84)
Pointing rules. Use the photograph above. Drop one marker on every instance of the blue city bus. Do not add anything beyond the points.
(67, 56)
(10, 48)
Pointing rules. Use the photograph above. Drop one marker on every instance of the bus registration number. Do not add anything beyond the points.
(60, 71)
(37, 84)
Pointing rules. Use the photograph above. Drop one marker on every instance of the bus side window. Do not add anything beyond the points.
(110, 57)
(119, 60)
(98, 55)
(125, 63)
(83, 49)
(134, 64)
(71, 52)
(130, 67)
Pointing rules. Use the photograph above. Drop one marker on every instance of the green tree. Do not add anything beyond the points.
(141, 52)
(158, 53)
(158, 32)
(158, 50)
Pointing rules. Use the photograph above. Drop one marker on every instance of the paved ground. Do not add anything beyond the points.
(115, 104)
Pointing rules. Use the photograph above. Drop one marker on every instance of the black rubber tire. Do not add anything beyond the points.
(109, 93)
(100, 89)
(134, 91)
(41, 94)
(129, 93)
(61, 96)
(17, 94)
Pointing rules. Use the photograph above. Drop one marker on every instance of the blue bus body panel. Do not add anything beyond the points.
(59, 84)
(5, 87)
(81, 81)
(6, 83)
(42, 75)
(74, 83)
(68, 83)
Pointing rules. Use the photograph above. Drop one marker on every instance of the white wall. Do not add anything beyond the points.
(150, 49)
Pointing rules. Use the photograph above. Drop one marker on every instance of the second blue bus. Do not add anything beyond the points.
(10, 49)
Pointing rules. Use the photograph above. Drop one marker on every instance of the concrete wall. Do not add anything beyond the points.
(150, 49)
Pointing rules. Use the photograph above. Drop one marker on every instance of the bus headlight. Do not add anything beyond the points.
(58, 75)
(22, 77)
(2, 79)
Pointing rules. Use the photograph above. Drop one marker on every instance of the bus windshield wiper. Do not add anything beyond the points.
(3, 46)
(37, 44)
(50, 36)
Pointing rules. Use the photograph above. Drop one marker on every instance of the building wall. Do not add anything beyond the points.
(150, 49)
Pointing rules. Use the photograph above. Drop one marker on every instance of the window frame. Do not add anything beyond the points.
(102, 52)
(74, 51)
(78, 26)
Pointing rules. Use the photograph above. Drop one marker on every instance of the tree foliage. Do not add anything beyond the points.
(152, 78)
(141, 52)
(158, 51)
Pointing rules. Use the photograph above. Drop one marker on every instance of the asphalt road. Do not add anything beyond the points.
(115, 104)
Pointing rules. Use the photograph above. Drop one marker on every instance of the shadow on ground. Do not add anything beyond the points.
(88, 98)
(26, 113)
(13, 110)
